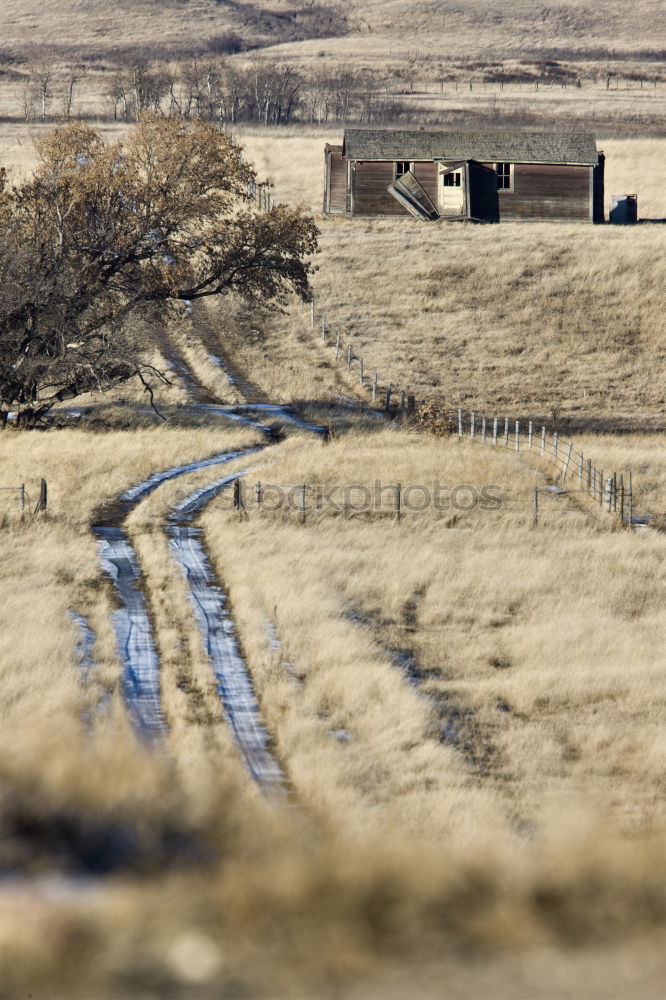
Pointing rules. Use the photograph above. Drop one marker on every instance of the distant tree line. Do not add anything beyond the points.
(217, 90)
(264, 93)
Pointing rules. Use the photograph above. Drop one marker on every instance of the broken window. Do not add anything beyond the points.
(503, 176)
(452, 180)
(402, 167)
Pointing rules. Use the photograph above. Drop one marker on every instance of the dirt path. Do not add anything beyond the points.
(132, 624)
(234, 684)
(131, 621)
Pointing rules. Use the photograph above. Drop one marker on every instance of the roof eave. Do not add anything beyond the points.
(447, 159)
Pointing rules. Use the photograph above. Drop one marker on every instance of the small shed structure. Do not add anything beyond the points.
(482, 176)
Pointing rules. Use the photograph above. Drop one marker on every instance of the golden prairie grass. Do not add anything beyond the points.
(642, 455)
(538, 655)
(496, 617)
(506, 808)
(283, 359)
(421, 847)
(559, 323)
(447, 28)
(54, 558)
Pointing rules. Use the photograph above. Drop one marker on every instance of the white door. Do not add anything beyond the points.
(451, 191)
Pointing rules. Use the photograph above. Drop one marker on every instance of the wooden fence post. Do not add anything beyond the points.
(543, 440)
(303, 488)
(349, 357)
(495, 430)
(257, 495)
(323, 328)
(387, 407)
(615, 491)
(530, 434)
(460, 424)
(312, 316)
(472, 427)
(631, 499)
(580, 469)
(43, 497)
(483, 430)
(621, 499)
(535, 507)
(588, 474)
(567, 460)
(396, 500)
(609, 494)
(374, 387)
(337, 346)
(600, 476)
(360, 370)
(21, 497)
(506, 432)
(238, 496)
(517, 435)
(555, 438)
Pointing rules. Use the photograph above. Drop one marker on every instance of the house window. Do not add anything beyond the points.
(402, 167)
(451, 180)
(504, 176)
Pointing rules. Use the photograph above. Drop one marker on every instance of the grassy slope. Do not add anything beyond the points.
(469, 599)
(495, 616)
(553, 322)
(486, 25)
(532, 857)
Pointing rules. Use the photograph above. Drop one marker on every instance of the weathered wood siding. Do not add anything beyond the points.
(547, 191)
(335, 195)
(426, 174)
(370, 181)
(540, 190)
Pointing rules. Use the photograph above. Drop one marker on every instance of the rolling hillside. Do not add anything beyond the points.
(447, 27)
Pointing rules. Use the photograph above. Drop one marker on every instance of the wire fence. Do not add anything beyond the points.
(315, 502)
(260, 193)
(611, 492)
(17, 499)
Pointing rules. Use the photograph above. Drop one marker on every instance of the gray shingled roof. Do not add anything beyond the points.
(488, 147)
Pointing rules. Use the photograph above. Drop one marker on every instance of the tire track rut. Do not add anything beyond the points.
(131, 620)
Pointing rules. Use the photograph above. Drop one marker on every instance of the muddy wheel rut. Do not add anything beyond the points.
(216, 626)
(132, 623)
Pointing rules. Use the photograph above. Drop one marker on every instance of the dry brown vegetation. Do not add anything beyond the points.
(562, 324)
(427, 820)
(480, 27)
(468, 709)
(571, 64)
(493, 619)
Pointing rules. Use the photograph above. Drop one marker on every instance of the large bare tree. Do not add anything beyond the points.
(104, 233)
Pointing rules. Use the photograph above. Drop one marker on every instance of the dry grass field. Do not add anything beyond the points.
(503, 801)
(491, 617)
(447, 28)
(474, 65)
(468, 708)
(562, 324)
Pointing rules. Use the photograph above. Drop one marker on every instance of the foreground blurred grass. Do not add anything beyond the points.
(406, 860)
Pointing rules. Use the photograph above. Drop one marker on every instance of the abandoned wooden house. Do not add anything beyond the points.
(478, 176)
